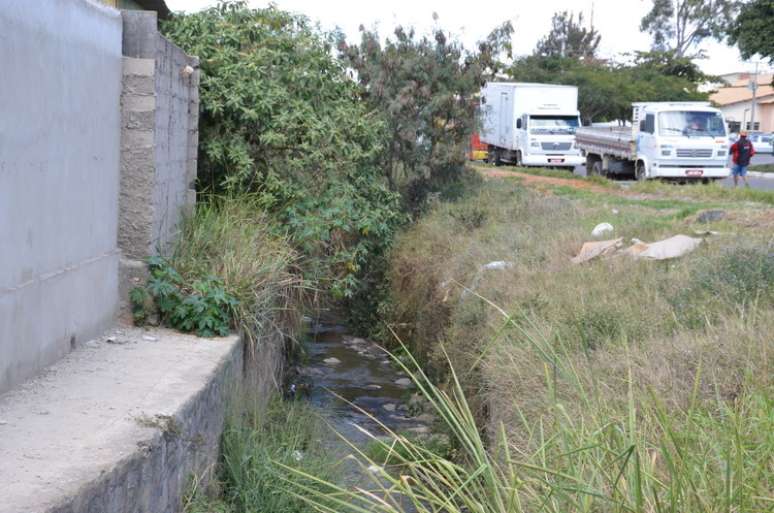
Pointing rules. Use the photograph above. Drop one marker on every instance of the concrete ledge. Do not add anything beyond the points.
(121, 424)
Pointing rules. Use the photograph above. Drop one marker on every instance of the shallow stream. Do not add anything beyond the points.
(360, 373)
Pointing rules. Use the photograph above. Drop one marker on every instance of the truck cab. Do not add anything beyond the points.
(530, 124)
(680, 140)
(548, 139)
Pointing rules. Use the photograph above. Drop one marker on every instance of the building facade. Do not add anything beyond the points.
(736, 103)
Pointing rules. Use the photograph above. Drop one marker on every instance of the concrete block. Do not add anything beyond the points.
(139, 34)
(139, 67)
(132, 102)
(139, 85)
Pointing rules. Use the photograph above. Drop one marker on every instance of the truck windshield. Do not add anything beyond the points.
(553, 124)
(691, 123)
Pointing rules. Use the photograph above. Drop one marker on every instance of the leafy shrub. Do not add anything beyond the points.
(233, 238)
(280, 119)
(202, 306)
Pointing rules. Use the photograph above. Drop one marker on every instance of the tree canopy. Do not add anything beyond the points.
(680, 26)
(424, 88)
(606, 90)
(569, 38)
(753, 29)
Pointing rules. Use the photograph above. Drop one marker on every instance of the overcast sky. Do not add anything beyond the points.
(616, 20)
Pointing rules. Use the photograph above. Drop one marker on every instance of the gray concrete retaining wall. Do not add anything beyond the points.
(59, 157)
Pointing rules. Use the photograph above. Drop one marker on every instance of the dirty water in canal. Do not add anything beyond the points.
(362, 375)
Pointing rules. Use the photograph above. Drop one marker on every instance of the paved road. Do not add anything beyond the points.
(756, 182)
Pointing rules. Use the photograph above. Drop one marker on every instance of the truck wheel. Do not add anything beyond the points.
(639, 171)
(518, 159)
(496, 158)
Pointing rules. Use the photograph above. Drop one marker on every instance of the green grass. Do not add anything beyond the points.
(612, 386)
(233, 239)
(713, 192)
(762, 168)
(261, 446)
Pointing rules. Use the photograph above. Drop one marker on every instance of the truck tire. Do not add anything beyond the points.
(639, 171)
(495, 158)
(518, 159)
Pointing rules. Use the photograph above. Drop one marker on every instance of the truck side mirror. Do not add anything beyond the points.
(518, 123)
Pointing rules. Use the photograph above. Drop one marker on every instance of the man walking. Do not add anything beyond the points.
(741, 153)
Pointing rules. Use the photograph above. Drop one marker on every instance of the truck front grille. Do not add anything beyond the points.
(555, 146)
(694, 153)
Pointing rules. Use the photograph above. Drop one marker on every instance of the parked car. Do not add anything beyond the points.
(763, 142)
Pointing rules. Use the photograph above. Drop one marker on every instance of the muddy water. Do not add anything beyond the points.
(360, 373)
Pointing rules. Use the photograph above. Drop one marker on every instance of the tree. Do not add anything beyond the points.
(681, 25)
(281, 119)
(753, 29)
(423, 87)
(606, 90)
(569, 38)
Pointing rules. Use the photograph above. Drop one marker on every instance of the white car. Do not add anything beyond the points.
(762, 142)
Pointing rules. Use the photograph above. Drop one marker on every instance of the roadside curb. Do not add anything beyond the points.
(760, 174)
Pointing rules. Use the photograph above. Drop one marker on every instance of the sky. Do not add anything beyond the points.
(616, 20)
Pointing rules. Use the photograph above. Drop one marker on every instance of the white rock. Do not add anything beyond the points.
(403, 382)
(389, 407)
(332, 361)
(602, 229)
(149, 338)
(497, 265)
(374, 387)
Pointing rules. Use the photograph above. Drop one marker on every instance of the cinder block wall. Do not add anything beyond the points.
(60, 83)
(160, 115)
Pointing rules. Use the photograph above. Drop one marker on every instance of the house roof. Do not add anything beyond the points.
(739, 92)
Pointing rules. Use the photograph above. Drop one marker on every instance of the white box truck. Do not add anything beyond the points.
(677, 140)
(530, 124)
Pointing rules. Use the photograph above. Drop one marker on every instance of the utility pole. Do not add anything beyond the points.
(754, 87)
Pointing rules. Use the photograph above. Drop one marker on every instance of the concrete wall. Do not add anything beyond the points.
(160, 113)
(59, 156)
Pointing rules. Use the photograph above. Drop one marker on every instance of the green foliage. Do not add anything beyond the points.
(258, 447)
(423, 87)
(752, 29)
(203, 306)
(682, 25)
(569, 38)
(235, 239)
(606, 90)
(280, 118)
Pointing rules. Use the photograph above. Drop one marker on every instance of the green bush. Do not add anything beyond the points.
(280, 119)
(202, 306)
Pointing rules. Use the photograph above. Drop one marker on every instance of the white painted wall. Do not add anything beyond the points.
(736, 112)
(60, 63)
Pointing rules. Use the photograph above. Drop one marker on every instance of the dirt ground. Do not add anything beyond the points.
(530, 179)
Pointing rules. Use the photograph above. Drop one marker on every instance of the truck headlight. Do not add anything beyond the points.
(666, 150)
(721, 153)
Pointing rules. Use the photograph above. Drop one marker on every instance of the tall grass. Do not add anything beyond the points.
(641, 459)
(259, 443)
(233, 238)
(615, 386)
